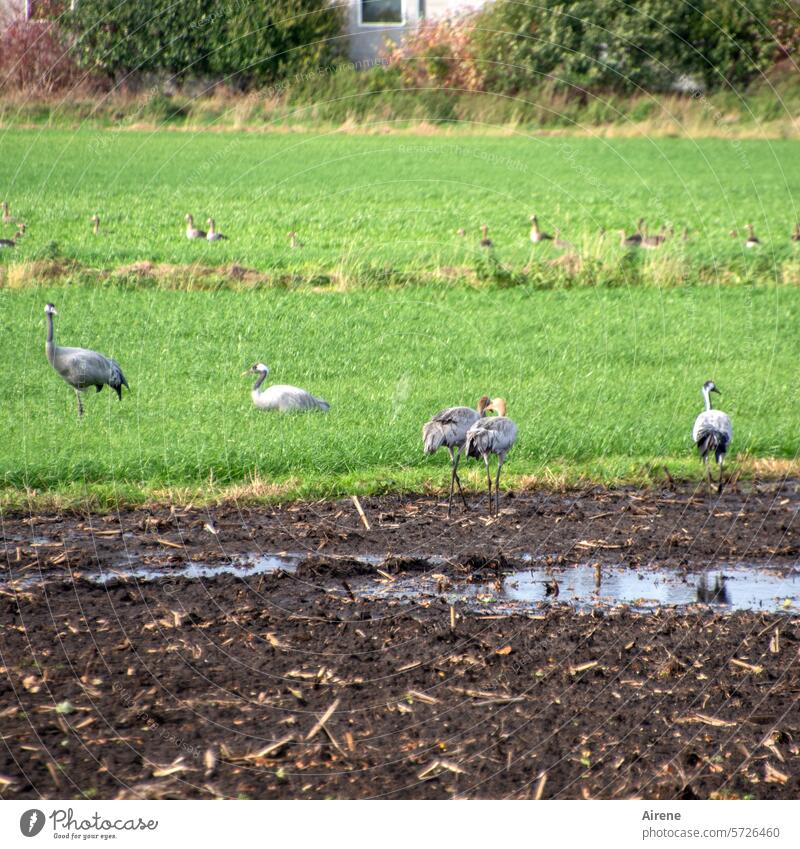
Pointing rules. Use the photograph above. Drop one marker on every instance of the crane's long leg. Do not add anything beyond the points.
(721, 481)
(453, 463)
(458, 480)
(497, 488)
(80, 403)
(489, 481)
(708, 474)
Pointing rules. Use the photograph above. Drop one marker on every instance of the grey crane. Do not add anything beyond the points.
(95, 219)
(282, 398)
(449, 428)
(713, 431)
(486, 242)
(492, 435)
(80, 367)
(752, 240)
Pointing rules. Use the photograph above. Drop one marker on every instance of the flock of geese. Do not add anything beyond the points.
(461, 430)
(640, 238)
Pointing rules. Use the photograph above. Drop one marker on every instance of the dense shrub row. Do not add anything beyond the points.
(505, 47)
(610, 45)
(247, 42)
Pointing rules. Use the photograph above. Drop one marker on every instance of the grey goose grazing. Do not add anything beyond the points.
(712, 432)
(635, 239)
(492, 435)
(282, 398)
(191, 231)
(449, 428)
(80, 367)
(11, 243)
(752, 240)
(213, 235)
(538, 235)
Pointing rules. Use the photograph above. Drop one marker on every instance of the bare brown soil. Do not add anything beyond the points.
(289, 685)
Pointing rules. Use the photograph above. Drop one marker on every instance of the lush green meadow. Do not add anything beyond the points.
(603, 383)
(378, 208)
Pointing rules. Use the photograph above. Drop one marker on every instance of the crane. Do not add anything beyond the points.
(449, 428)
(713, 431)
(282, 398)
(492, 435)
(80, 367)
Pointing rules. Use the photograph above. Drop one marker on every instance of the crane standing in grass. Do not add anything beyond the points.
(449, 428)
(80, 367)
(493, 435)
(713, 431)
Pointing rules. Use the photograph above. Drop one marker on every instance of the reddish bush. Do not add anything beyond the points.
(785, 26)
(34, 59)
(438, 52)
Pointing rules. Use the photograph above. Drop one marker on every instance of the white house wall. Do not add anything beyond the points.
(366, 42)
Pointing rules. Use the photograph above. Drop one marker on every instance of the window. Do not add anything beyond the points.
(381, 12)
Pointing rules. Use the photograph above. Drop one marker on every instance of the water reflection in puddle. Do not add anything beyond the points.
(245, 566)
(731, 588)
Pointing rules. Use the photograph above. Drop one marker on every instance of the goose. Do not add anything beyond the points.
(651, 242)
(449, 428)
(191, 231)
(95, 219)
(635, 238)
(213, 235)
(293, 242)
(713, 431)
(282, 398)
(752, 239)
(80, 367)
(492, 435)
(486, 242)
(538, 235)
(796, 234)
(633, 241)
(11, 243)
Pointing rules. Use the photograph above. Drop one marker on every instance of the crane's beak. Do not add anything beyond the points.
(717, 391)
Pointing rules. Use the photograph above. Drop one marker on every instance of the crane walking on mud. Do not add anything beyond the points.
(713, 431)
(492, 435)
(449, 428)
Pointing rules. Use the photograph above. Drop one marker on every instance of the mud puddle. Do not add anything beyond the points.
(587, 587)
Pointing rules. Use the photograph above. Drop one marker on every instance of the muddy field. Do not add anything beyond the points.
(354, 657)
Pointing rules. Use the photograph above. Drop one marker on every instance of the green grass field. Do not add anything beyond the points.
(377, 208)
(603, 383)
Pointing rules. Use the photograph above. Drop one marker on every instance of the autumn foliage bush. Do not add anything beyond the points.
(35, 60)
(438, 53)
